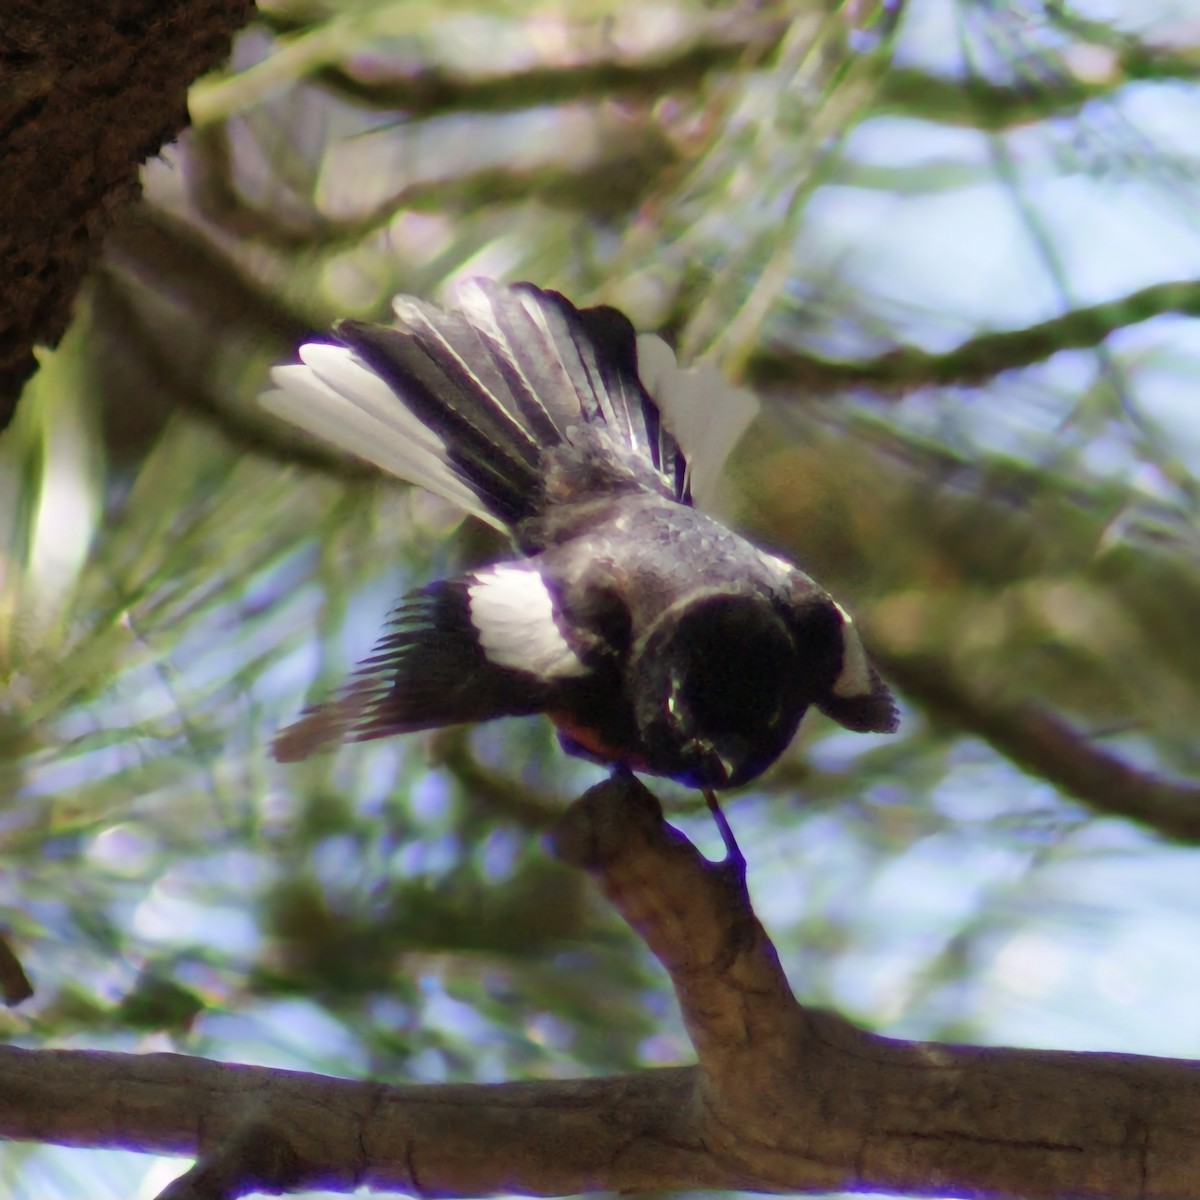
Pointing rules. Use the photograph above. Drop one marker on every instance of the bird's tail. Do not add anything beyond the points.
(467, 401)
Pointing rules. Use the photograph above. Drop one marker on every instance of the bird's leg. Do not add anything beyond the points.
(733, 852)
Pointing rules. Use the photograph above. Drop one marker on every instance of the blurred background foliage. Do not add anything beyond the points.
(954, 244)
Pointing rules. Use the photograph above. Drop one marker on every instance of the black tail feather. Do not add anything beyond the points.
(516, 373)
(497, 455)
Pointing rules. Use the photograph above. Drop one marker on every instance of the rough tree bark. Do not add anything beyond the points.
(782, 1098)
(87, 93)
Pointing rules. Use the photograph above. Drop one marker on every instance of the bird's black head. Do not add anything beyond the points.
(720, 684)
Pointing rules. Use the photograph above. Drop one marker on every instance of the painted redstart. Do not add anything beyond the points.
(654, 637)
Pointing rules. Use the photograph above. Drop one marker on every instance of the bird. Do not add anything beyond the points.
(656, 638)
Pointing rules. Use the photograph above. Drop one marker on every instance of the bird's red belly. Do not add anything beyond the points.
(592, 744)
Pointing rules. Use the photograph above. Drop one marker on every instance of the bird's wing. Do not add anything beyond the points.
(489, 645)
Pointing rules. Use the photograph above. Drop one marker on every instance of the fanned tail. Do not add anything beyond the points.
(467, 402)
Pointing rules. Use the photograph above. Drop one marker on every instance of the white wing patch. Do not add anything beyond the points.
(855, 678)
(513, 613)
(334, 395)
(706, 414)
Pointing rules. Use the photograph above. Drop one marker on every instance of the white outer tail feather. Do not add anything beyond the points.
(338, 398)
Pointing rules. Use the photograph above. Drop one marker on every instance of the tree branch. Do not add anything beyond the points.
(726, 44)
(435, 91)
(980, 358)
(544, 1138)
(431, 90)
(628, 155)
(1046, 745)
(782, 1099)
(984, 104)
